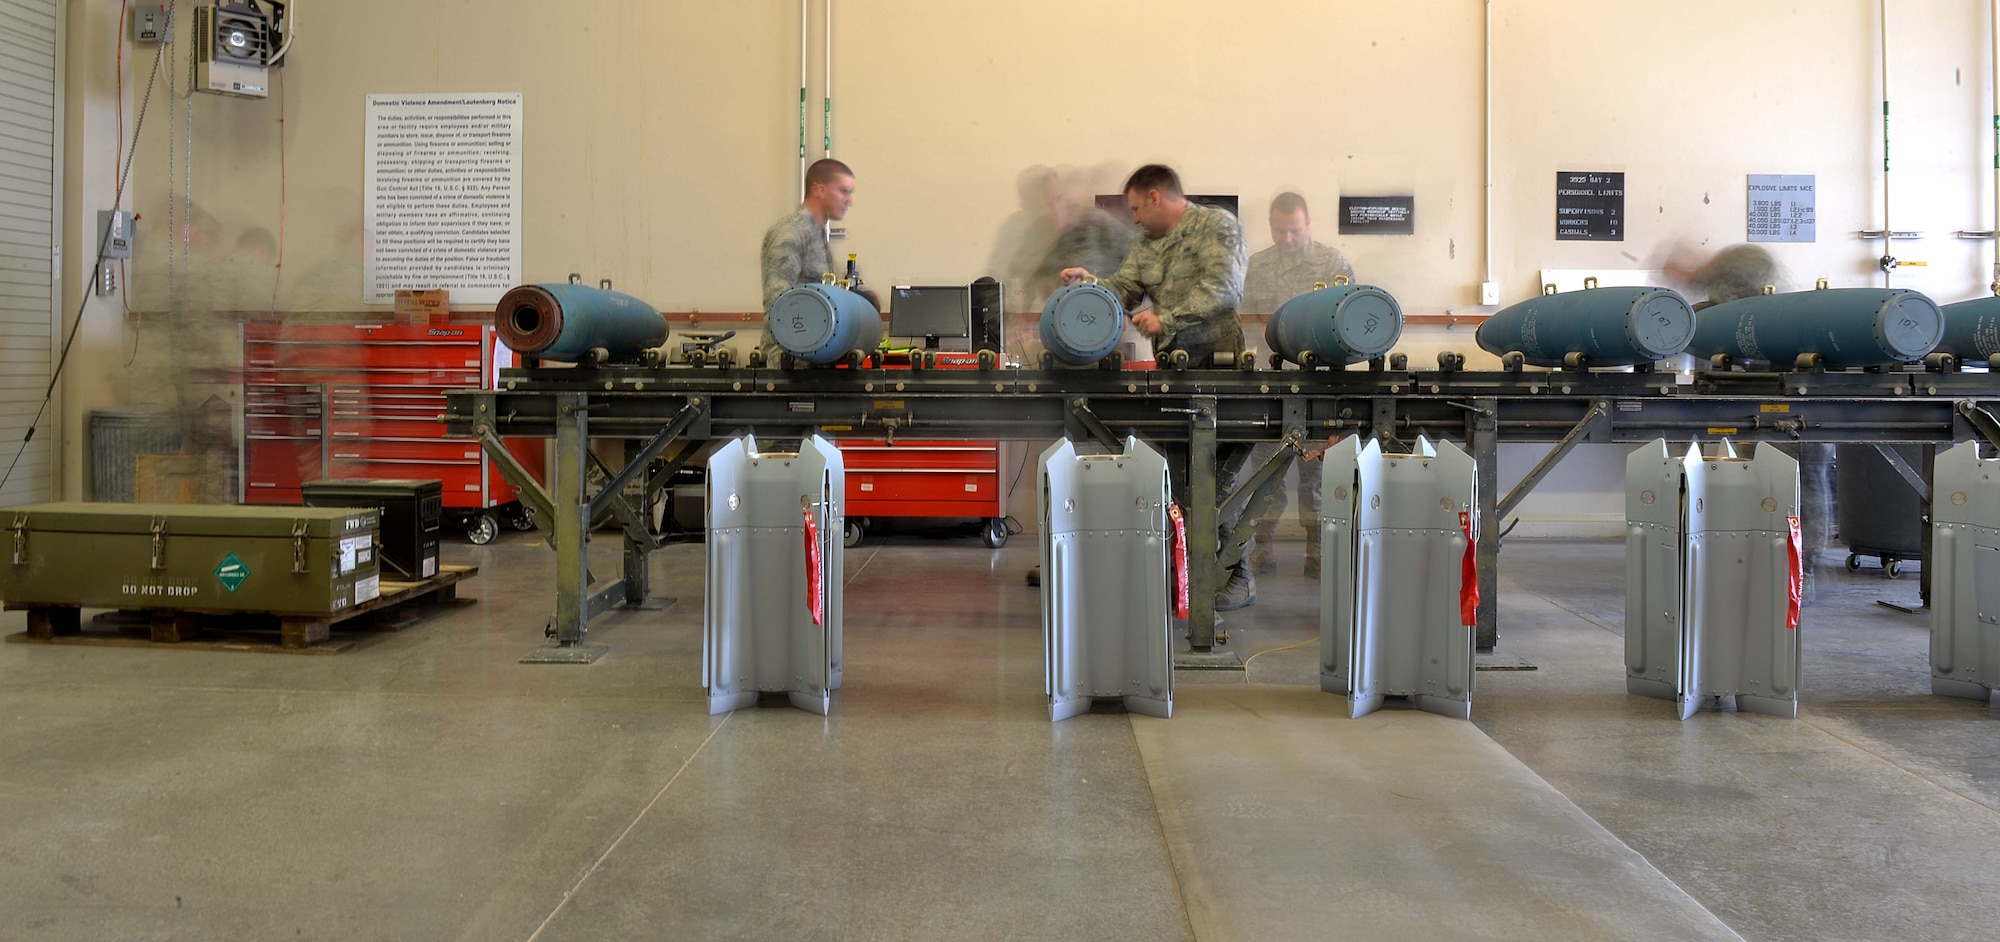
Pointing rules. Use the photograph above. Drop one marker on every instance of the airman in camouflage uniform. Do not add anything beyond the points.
(795, 248)
(795, 253)
(1293, 264)
(1277, 276)
(1193, 274)
(1190, 264)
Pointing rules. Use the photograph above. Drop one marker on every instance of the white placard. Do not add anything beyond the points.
(367, 590)
(1783, 207)
(443, 184)
(355, 552)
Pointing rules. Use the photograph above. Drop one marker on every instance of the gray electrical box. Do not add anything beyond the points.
(148, 22)
(114, 233)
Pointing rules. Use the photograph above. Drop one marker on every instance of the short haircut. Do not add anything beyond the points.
(1289, 203)
(825, 170)
(1153, 177)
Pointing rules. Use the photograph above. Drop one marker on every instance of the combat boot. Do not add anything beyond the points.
(1312, 553)
(1261, 562)
(1240, 591)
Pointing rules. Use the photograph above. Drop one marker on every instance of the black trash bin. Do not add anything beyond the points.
(1880, 514)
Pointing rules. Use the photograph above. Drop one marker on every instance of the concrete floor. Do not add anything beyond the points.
(426, 786)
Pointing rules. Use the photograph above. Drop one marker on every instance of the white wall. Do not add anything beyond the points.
(662, 136)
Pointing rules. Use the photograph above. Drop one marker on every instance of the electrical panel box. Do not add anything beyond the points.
(148, 22)
(114, 233)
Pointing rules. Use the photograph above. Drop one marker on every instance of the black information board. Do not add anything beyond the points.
(1378, 215)
(1590, 207)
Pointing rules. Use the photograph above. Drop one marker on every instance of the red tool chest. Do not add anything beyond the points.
(925, 479)
(362, 401)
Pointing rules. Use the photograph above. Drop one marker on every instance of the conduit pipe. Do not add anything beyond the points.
(828, 129)
(805, 33)
(1888, 231)
(1487, 152)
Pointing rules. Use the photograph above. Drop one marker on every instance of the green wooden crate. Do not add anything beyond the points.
(294, 560)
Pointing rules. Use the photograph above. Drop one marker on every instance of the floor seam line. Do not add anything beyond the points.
(599, 862)
(1573, 613)
(1614, 835)
(1160, 828)
(864, 565)
(415, 694)
(1885, 760)
(1836, 737)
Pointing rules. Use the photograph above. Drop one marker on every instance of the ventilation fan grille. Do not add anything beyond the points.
(241, 34)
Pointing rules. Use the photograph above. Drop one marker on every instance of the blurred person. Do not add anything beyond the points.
(1189, 264)
(1025, 238)
(795, 248)
(1087, 237)
(1738, 271)
(1293, 264)
(1742, 271)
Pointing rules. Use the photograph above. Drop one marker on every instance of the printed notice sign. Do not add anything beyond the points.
(443, 184)
(1590, 207)
(1378, 215)
(1782, 207)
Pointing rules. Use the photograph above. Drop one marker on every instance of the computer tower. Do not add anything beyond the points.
(412, 515)
(989, 322)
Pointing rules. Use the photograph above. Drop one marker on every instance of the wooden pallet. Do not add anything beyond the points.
(210, 630)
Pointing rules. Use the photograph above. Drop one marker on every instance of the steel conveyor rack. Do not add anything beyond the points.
(661, 412)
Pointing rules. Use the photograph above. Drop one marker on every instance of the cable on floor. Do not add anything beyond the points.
(1247, 660)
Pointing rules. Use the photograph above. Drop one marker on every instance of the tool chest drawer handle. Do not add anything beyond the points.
(854, 471)
(434, 461)
(915, 448)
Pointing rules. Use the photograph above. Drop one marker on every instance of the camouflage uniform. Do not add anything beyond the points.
(1277, 276)
(1194, 276)
(795, 253)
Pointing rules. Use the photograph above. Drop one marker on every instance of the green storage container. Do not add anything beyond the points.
(290, 560)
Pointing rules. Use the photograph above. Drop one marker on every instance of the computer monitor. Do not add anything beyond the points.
(930, 312)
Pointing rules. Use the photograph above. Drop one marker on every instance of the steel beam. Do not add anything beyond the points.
(1598, 410)
(1088, 422)
(540, 506)
(1246, 502)
(1203, 573)
(1984, 425)
(1484, 433)
(636, 461)
(571, 519)
(1911, 476)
